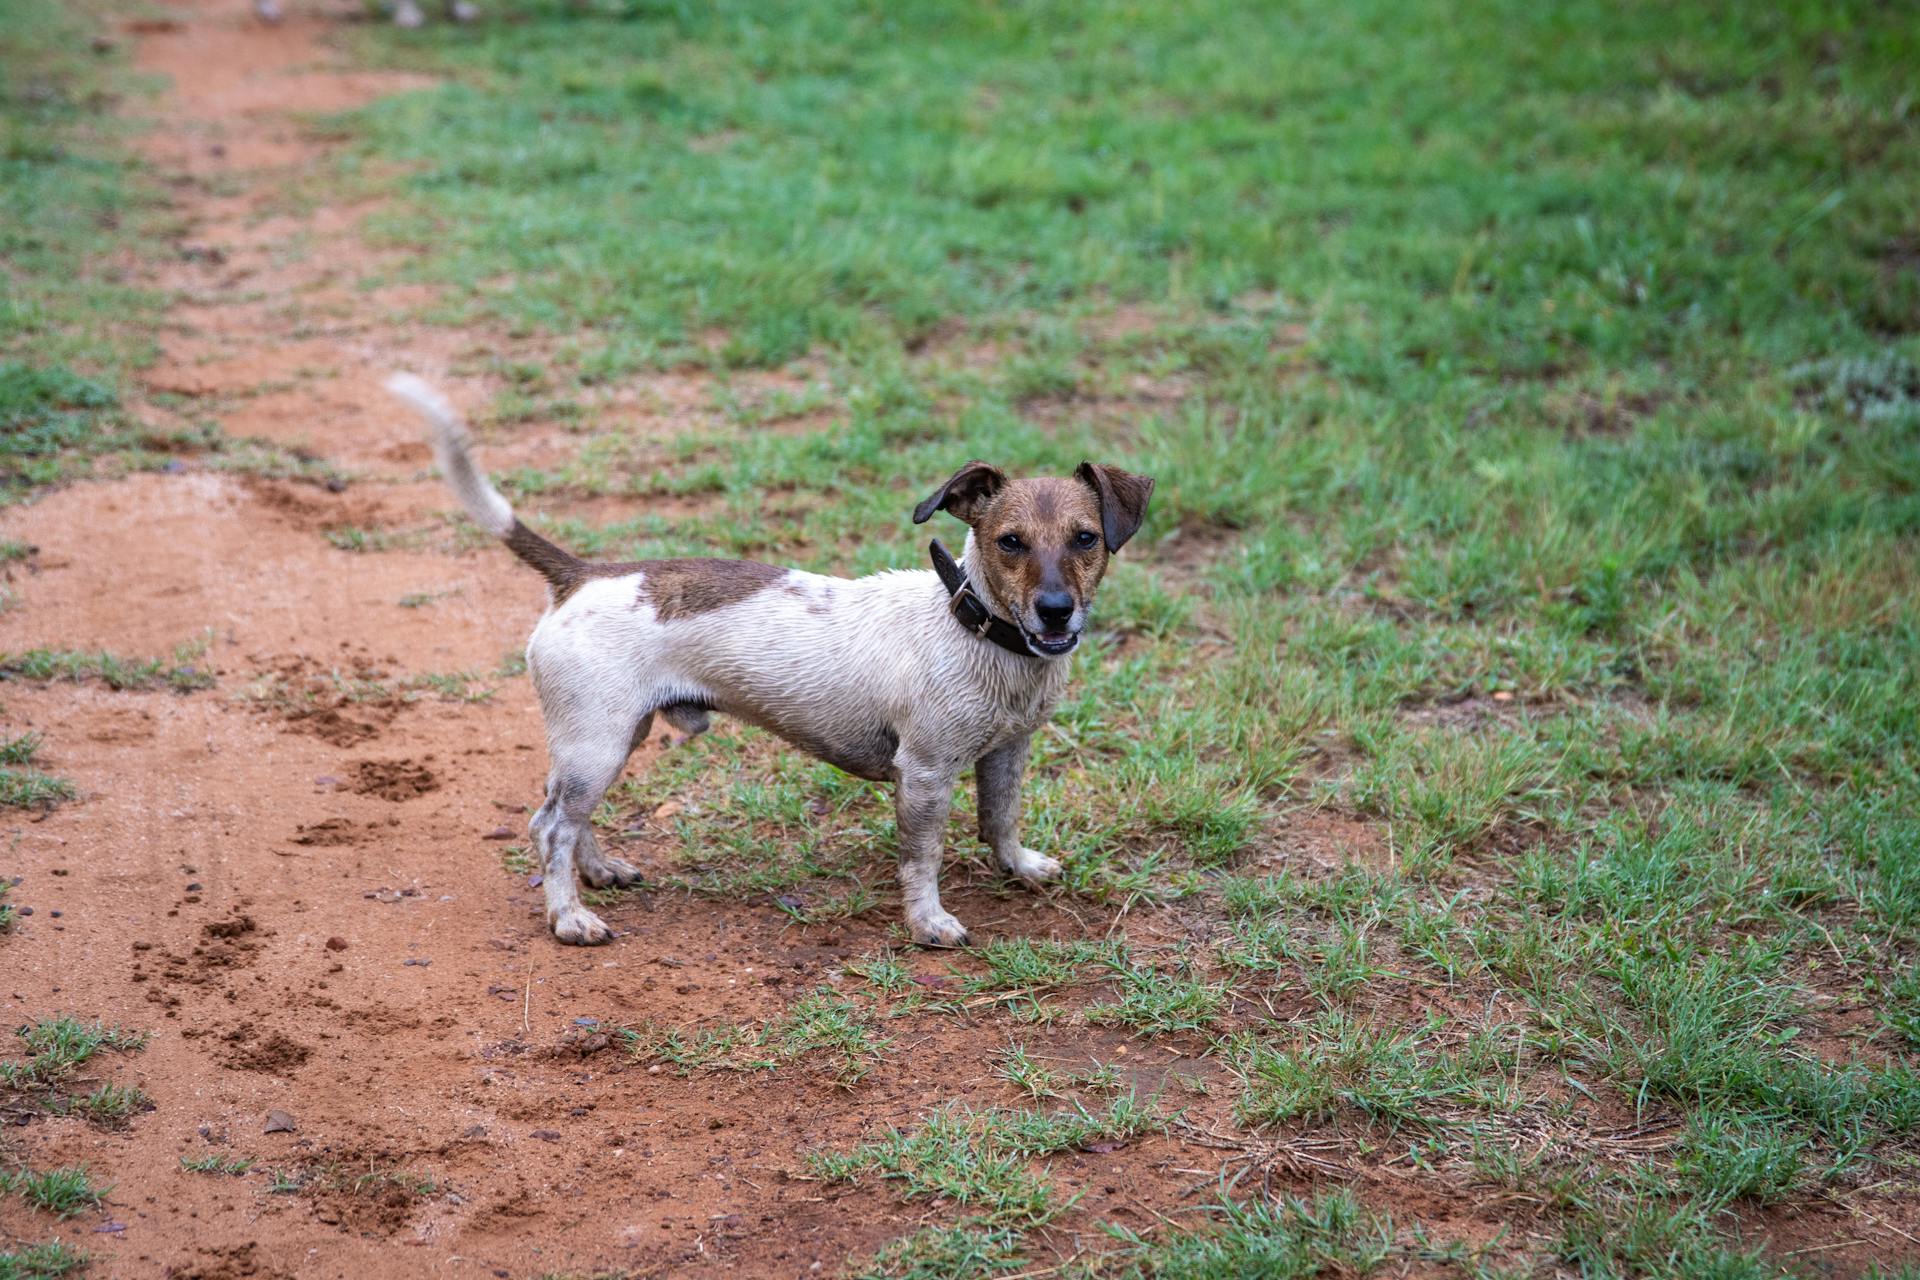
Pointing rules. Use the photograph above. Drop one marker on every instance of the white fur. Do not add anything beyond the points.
(451, 449)
(871, 673)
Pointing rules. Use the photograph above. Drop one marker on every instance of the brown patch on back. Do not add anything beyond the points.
(685, 588)
(675, 588)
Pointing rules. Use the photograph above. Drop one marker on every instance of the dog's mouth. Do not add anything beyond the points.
(1053, 644)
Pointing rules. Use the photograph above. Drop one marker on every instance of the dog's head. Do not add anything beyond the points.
(1040, 546)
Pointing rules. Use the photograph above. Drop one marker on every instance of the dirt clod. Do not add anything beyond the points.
(393, 780)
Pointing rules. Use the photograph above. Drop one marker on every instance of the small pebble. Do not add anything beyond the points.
(336, 944)
(193, 886)
(26, 911)
(54, 913)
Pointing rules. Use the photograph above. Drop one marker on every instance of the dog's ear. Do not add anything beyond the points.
(1123, 500)
(966, 494)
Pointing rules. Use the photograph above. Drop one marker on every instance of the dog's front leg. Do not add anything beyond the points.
(996, 776)
(920, 804)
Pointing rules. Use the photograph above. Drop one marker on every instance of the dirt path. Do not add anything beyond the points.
(301, 894)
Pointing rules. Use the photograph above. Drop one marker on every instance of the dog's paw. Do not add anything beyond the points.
(576, 926)
(1034, 867)
(938, 929)
(610, 873)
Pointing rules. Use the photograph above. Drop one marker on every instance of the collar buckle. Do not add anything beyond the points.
(969, 610)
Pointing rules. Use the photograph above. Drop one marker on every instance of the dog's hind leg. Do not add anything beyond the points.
(597, 867)
(585, 763)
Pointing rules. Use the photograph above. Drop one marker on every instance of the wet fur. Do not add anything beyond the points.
(870, 674)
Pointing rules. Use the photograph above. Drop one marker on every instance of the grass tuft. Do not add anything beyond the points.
(58, 1046)
(41, 1261)
(981, 1160)
(180, 674)
(823, 1023)
(61, 1192)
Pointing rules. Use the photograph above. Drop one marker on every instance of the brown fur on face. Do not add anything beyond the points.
(1057, 526)
(1046, 536)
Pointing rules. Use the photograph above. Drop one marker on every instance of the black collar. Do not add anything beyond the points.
(970, 611)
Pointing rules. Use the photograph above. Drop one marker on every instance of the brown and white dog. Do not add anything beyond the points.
(904, 676)
(406, 13)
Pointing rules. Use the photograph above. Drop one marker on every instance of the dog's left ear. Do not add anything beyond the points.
(966, 493)
(1123, 500)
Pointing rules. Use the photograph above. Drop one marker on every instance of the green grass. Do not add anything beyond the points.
(109, 1105)
(31, 789)
(1509, 700)
(983, 1161)
(1155, 1003)
(76, 208)
(224, 1166)
(945, 1253)
(23, 787)
(41, 1261)
(823, 1023)
(70, 325)
(1294, 1239)
(57, 1047)
(178, 674)
(61, 1192)
(21, 749)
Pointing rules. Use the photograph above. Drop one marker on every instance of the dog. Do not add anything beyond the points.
(907, 676)
(406, 13)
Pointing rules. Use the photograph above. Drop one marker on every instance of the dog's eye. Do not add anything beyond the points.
(1085, 539)
(1010, 543)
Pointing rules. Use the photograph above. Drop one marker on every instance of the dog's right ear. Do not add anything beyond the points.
(966, 494)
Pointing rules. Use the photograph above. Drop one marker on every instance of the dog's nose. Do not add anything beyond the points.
(1055, 609)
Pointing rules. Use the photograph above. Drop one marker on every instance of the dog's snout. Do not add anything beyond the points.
(1055, 608)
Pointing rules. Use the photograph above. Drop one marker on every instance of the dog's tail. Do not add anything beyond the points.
(452, 449)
